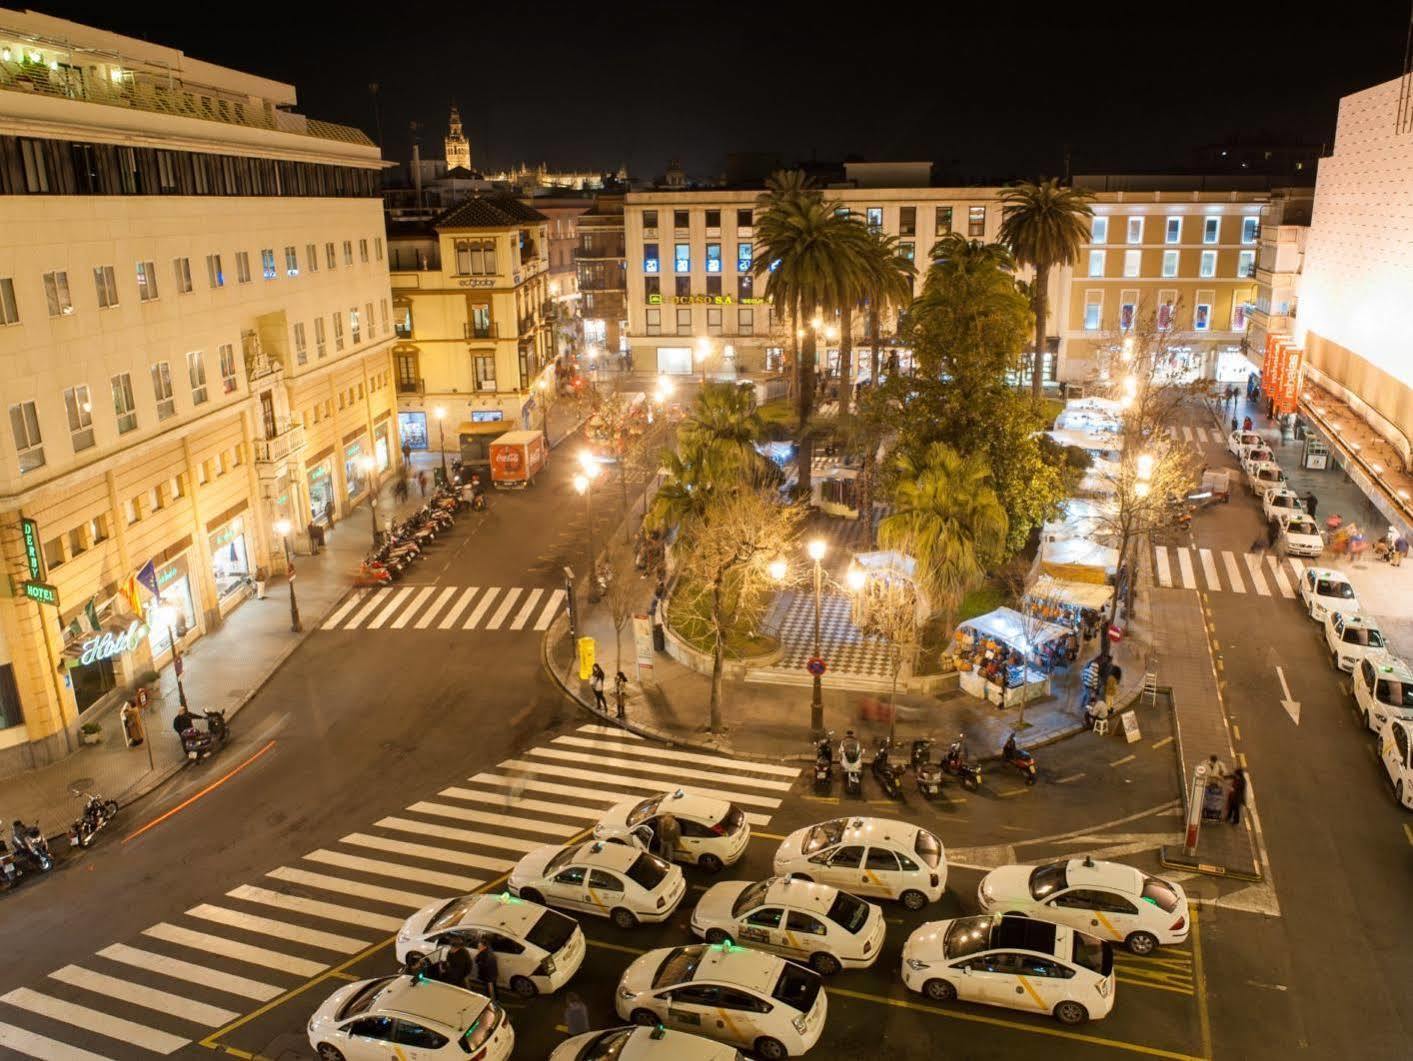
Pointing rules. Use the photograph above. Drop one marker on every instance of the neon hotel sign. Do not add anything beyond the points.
(109, 644)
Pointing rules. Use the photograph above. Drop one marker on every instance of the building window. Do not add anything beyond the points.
(1209, 264)
(684, 322)
(1099, 230)
(713, 320)
(943, 220)
(291, 262)
(24, 425)
(1093, 310)
(907, 221)
(1250, 229)
(124, 408)
(329, 256)
(1245, 264)
(162, 390)
(242, 267)
(906, 250)
(107, 286)
(679, 219)
(713, 285)
(652, 288)
(1166, 301)
(651, 264)
(382, 314)
(348, 252)
(213, 270)
(745, 286)
(746, 320)
(228, 368)
(744, 220)
(54, 552)
(378, 247)
(56, 293)
(713, 257)
(1239, 309)
(146, 281)
(1211, 229)
(78, 540)
(36, 169)
(1128, 310)
(338, 332)
(743, 257)
(1096, 263)
(682, 286)
(475, 257)
(1133, 261)
(196, 375)
(654, 321)
(1170, 263)
(976, 221)
(267, 263)
(363, 251)
(98, 528)
(1135, 230)
(321, 348)
(682, 257)
(650, 220)
(1173, 232)
(713, 221)
(1202, 315)
(311, 256)
(485, 365)
(132, 510)
(301, 348)
(79, 409)
(874, 217)
(181, 273)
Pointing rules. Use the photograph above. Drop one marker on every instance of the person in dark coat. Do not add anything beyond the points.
(1311, 503)
(576, 1014)
(596, 678)
(1236, 796)
(456, 966)
(486, 969)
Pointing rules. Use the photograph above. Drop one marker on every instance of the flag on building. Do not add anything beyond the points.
(75, 629)
(147, 576)
(91, 611)
(129, 592)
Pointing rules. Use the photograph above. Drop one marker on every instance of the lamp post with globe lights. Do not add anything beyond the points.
(816, 549)
(584, 486)
(366, 463)
(282, 528)
(703, 351)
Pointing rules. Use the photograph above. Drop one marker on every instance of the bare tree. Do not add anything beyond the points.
(620, 595)
(886, 607)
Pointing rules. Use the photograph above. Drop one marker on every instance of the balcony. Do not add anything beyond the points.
(412, 386)
(614, 252)
(471, 330)
(271, 454)
(527, 324)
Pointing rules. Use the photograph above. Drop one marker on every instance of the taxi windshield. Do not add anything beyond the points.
(1093, 954)
(643, 810)
(1395, 694)
(679, 966)
(797, 987)
(848, 912)
(1363, 635)
(361, 1000)
(1047, 879)
(560, 860)
(452, 913)
(967, 935)
(928, 848)
(648, 871)
(608, 1046)
(1330, 588)
(1302, 526)
(1160, 893)
(823, 834)
(750, 898)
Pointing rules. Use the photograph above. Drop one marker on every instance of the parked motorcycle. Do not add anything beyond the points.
(198, 743)
(10, 869)
(955, 763)
(1021, 759)
(851, 762)
(31, 849)
(824, 764)
(373, 573)
(97, 813)
(887, 773)
(928, 773)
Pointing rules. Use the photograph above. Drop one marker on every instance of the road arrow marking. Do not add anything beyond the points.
(1292, 707)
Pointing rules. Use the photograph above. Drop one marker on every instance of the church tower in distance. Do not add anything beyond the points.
(458, 148)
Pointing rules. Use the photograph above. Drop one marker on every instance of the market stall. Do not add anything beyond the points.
(1101, 480)
(1090, 414)
(1082, 517)
(1077, 606)
(1003, 655)
(1079, 560)
(1099, 445)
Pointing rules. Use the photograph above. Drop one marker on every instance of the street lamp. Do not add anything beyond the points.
(282, 528)
(584, 485)
(542, 385)
(366, 463)
(816, 550)
(165, 615)
(856, 578)
(441, 438)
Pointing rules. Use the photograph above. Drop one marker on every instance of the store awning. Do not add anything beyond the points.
(1025, 633)
(484, 427)
(1078, 594)
(1078, 560)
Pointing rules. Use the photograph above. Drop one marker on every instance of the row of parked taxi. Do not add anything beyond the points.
(1042, 940)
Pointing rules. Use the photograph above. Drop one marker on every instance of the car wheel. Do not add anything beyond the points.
(1141, 942)
(624, 918)
(824, 964)
(939, 990)
(524, 986)
(330, 1052)
(716, 935)
(111, 808)
(645, 1018)
(770, 1049)
(913, 899)
(802, 876)
(1070, 1012)
(710, 863)
(530, 895)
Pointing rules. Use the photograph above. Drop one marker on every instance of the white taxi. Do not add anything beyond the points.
(537, 950)
(610, 880)
(877, 857)
(633, 1043)
(1281, 504)
(1106, 899)
(1238, 442)
(1256, 455)
(814, 923)
(754, 1000)
(1017, 962)
(1350, 636)
(1263, 478)
(1396, 753)
(714, 832)
(1323, 590)
(1383, 689)
(1300, 536)
(373, 1020)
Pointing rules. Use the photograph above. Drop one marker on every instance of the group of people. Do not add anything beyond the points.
(457, 965)
(1233, 786)
(597, 677)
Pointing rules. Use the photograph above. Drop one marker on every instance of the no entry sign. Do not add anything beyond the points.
(1115, 634)
(815, 666)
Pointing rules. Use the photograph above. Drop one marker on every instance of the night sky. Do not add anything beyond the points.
(998, 91)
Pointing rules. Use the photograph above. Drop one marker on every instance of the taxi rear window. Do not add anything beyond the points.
(928, 848)
(797, 987)
(648, 871)
(735, 818)
(551, 932)
(1160, 893)
(822, 835)
(1363, 635)
(848, 912)
(678, 967)
(1047, 879)
(967, 935)
(1093, 954)
(1396, 694)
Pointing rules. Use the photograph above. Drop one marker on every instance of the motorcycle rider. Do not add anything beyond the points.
(184, 721)
(1009, 751)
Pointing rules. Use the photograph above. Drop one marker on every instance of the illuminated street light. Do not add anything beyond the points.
(778, 568)
(1145, 466)
(282, 528)
(856, 578)
(441, 437)
(816, 549)
(703, 352)
(366, 463)
(584, 485)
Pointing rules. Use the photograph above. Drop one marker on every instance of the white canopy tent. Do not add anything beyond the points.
(1101, 479)
(1072, 419)
(1078, 560)
(1079, 594)
(1100, 445)
(1026, 634)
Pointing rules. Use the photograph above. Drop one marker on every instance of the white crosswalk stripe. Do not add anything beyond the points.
(551, 608)
(647, 785)
(658, 752)
(481, 608)
(192, 973)
(373, 600)
(399, 870)
(1224, 572)
(1209, 569)
(413, 608)
(507, 602)
(394, 896)
(148, 997)
(354, 599)
(268, 926)
(1258, 581)
(1189, 580)
(436, 606)
(398, 597)
(450, 618)
(1160, 565)
(436, 854)
(92, 1020)
(315, 908)
(523, 615)
(32, 1044)
(526, 825)
(1233, 572)
(228, 948)
(465, 836)
(1186, 433)
(1281, 582)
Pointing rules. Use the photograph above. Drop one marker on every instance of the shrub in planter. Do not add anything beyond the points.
(90, 733)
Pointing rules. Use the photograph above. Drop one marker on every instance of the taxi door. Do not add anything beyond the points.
(605, 891)
(692, 1008)
(983, 979)
(1041, 983)
(567, 888)
(843, 868)
(693, 837)
(882, 873)
(805, 934)
(763, 927)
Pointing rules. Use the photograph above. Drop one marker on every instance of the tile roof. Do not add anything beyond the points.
(488, 212)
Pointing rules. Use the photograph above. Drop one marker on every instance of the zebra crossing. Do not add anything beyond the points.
(1263, 576)
(1194, 433)
(182, 980)
(447, 608)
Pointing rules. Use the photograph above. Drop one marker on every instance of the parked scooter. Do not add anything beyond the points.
(10, 869)
(1021, 759)
(887, 773)
(851, 761)
(31, 849)
(928, 773)
(824, 764)
(955, 763)
(198, 743)
(97, 813)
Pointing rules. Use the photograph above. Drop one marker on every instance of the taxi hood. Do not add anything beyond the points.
(1007, 884)
(532, 866)
(718, 900)
(638, 977)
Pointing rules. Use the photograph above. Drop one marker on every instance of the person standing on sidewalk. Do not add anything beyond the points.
(1216, 769)
(406, 452)
(1236, 797)
(620, 693)
(1311, 503)
(1400, 551)
(596, 683)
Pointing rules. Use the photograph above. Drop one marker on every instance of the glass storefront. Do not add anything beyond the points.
(380, 446)
(413, 429)
(174, 592)
(321, 491)
(91, 682)
(674, 360)
(230, 557)
(354, 477)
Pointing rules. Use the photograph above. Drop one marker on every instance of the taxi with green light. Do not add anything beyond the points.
(633, 1043)
(596, 877)
(1383, 689)
(412, 1017)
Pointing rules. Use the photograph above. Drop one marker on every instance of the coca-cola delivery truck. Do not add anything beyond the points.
(516, 458)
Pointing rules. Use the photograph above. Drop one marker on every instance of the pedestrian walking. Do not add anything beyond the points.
(1233, 424)
(1216, 769)
(422, 482)
(1246, 424)
(1400, 551)
(456, 966)
(486, 969)
(1089, 678)
(576, 1014)
(1236, 796)
(406, 452)
(1258, 546)
(329, 512)
(596, 683)
(1311, 503)
(400, 490)
(669, 835)
(1273, 532)
(620, 692)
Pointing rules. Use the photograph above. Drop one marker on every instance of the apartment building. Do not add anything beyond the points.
(474, 338)
(603, 276)
(194, 345)
(1285, 224)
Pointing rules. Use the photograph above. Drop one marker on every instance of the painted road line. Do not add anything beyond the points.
(1161, 743)
(465, 836)
(481, 608)
(673, 772)
(1186, 433)
(1278, 573)
(1408, 832)
(453, 881)
(268, 926)
(393, 605)
(524, 824)
(523, 615)
(295, 904)
(1160, 563)
(1125, 759)
(519, 784)
(354, 599)
(1235, 732)
(1189, 580)
(609, 731)
(177, 969)
(1253, 565)
(1072, 777)
(1297, 566)
(436, 606)
(412, 609)
(1233, 572)
(436, 854)
(680, 756)
(148, 997)
(125, 1031)
(1209, 569)
(507, 602)
(375, 598)
(32, 1044)
(647, 784)
(228, 948)
(550, 610)
(510, 800)
(449, 619)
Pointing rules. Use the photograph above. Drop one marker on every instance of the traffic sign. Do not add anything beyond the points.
(815, 666)
(1115, 634)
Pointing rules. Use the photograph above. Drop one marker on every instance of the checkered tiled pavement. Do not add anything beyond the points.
(842, 646)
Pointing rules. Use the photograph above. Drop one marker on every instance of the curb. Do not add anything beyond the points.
(1174, 857)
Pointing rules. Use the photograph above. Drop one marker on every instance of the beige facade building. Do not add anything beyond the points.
(470, 300)
(194, 345)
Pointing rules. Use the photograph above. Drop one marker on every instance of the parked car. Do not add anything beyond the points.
(1238, 442)
(1263, 478)
(392, 1016)
(713, 832)
(1281, 502)
(877, 857)
(1396, 753)
(1350, 636)
(1300, 535)
(1323, 590)
(1383, 689)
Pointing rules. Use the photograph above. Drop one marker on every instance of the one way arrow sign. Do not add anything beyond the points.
(1292, 707)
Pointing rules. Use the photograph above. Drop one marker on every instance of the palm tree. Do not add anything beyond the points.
(683, 497)
(947, 515)
(813, 257)
(1044, 224)
(725, 421)
(890, 287)
(970, 294)
(782, 187)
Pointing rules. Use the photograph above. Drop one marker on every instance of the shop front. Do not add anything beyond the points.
(174, 611)
(674, 360)
(412, 429)
(382, 443)
(355, 449)
(321, 491)
(230, 557)
(99, 661)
